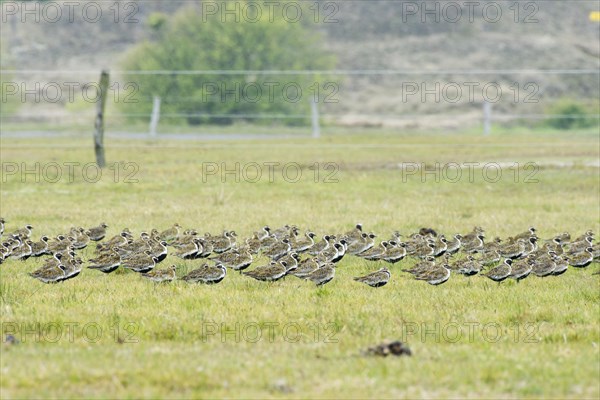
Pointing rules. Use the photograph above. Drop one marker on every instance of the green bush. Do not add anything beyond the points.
(190, 41)
(573, 114)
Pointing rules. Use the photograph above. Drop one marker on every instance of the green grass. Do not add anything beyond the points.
(538, 338)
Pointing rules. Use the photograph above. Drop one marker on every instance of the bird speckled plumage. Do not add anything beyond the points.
(500, 272)
(207, 274)
(376, 279)
(270, 272)
(322, 275)
(97, 233)
(161, 275)
(107, 262)
(305, 267)
(139, 262)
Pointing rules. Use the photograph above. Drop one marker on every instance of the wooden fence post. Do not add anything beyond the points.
(99, 123)
(487, 118)
(155, 116)
(316, 128)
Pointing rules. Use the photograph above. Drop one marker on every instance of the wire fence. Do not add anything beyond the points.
(27, 111)
(303, 116)
(378, 72)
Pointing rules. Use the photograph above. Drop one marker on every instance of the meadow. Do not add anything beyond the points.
(118, 335)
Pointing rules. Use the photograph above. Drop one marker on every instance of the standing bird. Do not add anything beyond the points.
(375, 279)
(161, 275)
(441, 245)
(527, 234)
(51, 271)
(353, 235)
(329, 254)
(291, 261)
(521, 269)
(81, 239)
(40, 248)
(513, 250)
(268, 241)
(97, 233)
(305, 268)
(205, 248)
(395, 252)
(582, 259)
(453, 245)
(23, 233)
(470, 266)
(501, 272)
(189, 249)
(562, 264)
(283, 232)
(171, 234)
(61, 244)
(237, 260)
(580, 245)
(322, 275)
(363, 244)
(278, 250)
(140, 262)
(435, 276)
(596, 252)
(302, 245)
(425, 250)
(473, 244)
(545, 265)
(270, 272)
(374, 253)
(562, 237)
(4, 251)
(49, 275)
(341, 250)
(223, 242)
(71, 267)
(253, 244)
(321, 245)
(158, 249)
(107, 262)
(23, 252)
(428, 232)
(263, 233)
(422, 266)
(477, 232)
(208, 274)
(489, 257)
(118, 240)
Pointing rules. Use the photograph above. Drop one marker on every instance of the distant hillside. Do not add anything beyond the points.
(373, 35)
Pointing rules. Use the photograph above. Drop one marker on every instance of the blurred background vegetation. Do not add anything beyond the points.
(212, 44)
(357, 35)
(573, 114)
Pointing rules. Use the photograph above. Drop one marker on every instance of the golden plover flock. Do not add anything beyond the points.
(291, 251)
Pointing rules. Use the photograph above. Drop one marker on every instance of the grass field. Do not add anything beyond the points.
(245, 339)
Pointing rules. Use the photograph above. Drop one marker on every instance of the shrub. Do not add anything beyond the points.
(190, 41)
(573, 114)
